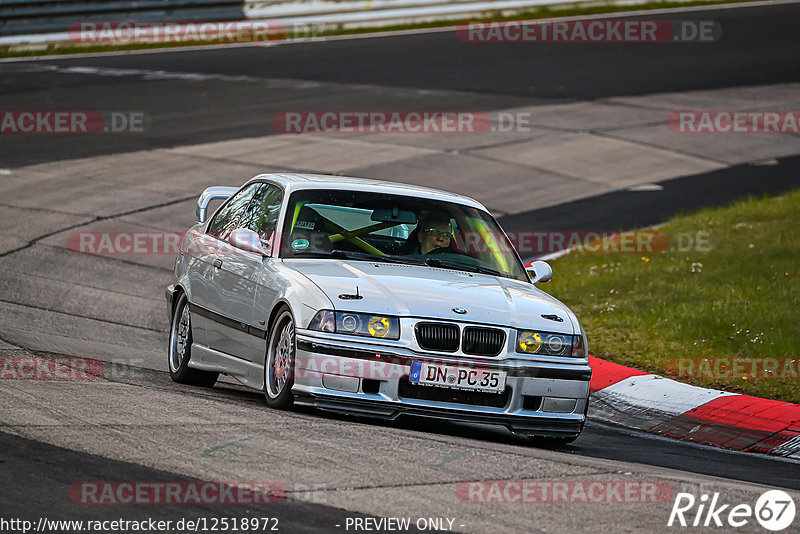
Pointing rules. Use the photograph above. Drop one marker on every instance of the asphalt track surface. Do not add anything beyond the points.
(48, 472)
(624, 210)
(405, 72)
(434, 71)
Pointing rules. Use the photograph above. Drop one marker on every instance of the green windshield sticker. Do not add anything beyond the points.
(300, 244)
(297, 209)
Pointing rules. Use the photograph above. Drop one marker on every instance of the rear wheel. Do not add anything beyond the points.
(279, 363)
(180, 349)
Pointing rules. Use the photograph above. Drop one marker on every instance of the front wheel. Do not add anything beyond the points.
(180, 349)
(279, 363)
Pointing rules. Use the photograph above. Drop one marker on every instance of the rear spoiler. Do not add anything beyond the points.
(216, 192)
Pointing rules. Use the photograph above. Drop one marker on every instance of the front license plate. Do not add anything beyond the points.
(453, 376)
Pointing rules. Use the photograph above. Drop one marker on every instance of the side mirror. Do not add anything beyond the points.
(248, 240)
(540, 272)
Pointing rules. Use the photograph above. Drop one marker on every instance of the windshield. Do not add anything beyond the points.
(372, 226)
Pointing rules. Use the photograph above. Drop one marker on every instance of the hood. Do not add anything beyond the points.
(430, 292)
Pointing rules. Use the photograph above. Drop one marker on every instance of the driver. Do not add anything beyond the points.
(434, 232)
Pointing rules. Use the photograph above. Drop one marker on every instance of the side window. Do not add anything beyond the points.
(229, 215)
(261, 215)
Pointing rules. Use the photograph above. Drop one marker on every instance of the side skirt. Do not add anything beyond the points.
(207, 359)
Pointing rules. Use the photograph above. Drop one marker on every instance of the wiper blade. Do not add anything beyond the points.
(433, 262)
(366, 256)
(387, 259)
(331, 254)
(401, 259)
(353, 255)
(373, 257)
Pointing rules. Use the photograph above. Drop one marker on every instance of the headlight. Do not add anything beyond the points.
(356, 324)
(548, 344)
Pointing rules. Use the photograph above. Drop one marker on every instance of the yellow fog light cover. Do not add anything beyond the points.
(379, 326)
(367, 325)
(530, 342)
(548, 343)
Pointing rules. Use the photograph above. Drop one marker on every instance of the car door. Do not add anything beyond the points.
(238, 279)
(206, 260)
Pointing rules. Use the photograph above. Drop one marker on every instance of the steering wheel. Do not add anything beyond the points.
(446, 250)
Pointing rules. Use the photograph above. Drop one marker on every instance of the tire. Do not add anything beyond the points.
(279, 362)
(180, 349)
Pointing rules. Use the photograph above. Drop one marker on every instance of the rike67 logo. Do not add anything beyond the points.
(774, 510)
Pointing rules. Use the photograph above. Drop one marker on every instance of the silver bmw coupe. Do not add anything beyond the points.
(377, 299)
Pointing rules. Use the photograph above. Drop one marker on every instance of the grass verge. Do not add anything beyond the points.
(543, 12)
(723, 315)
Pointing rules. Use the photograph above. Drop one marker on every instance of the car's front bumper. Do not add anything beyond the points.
(541, 398)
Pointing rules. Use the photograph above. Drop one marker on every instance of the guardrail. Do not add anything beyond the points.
(37, 22)
(19, 17)
(42, 16)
